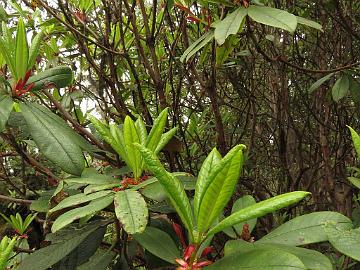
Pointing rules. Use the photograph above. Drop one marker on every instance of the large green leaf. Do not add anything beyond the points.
(340, 88)
(116, 139)
(77, 213)
(61, 246)
(79, 199)
(133, 154)
(313, 260)
(141, 129)
(273, 17)
(221, 186)
(197, 45)
(309, 23)
(356, 140)
(260, 209)
(347, 241)
(55, 141)
(230, 25)
(172, 186)
(158, 243)
(320, 82)
(100, 260)
(306, 229)
(259, 260)
(6, 105)
(164, 139)
(21, 51)
(203, 180)
(131, 210)
(157, 130)
(241, 203)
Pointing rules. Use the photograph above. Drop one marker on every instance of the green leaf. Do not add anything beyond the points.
(21, 51)
(306, 229)
(6, 247)
(157, 130)
(242, 203)
(164, 139)
(309, 23)
(79, 199)
(100, 260)
(197, 45)
(6, 105)
(273, 17)
(96, 187)
(259, 260)
(203, 180)
(172, 186)
(59, 77)
(313, 260)
(8, 57)
(230, 25)
(345, 241)
(77, 213)
(320, 82)
(260, 209)
(34, 49)
(158, 243)
(340, 88)
(117, 142)
(133, 155)
(356, 141)
(57, 143)
(141, 130)
(354, 87)
(60, 247)
(131, 210)
(355, 181)
(220, 188)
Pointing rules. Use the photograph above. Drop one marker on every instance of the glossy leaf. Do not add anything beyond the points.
(21, 51)
(131, 210)
(260, 209)
(172, 186)
(220, 188)
(34, 49)
(164, 139)
(77, 213)
(320, 82)
(117, 142)
(6, 105)
(158, 243)
(141, 129)
(259, 260)
(78, 199)
(55, 141)
(306, 229)
(313, 260)
(157, 130)
(133, 155)
(273, 17)
(230, 25)
(340, 88)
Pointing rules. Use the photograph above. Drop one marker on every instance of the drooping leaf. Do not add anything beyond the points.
(21, 51)
(340, 88)
(158, 243)
(56, 142)
(260, 209)
(306, 229)
(221, 186)
(273, 17)
(77, 213)
(241, 203)
(259, 260)
(230, 25)
(131, 210)
(6, 105)
(320, 82)
(313, 260)
(309, 23)
(172, 186)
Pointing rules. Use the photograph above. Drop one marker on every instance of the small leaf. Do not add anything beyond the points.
(34, 49)
(230, 25)
(77, 213)
(356, 141)
(340, 88)
(273, 17)
(158, 243)
(320, 82)
(197, 45)
(131, 210)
